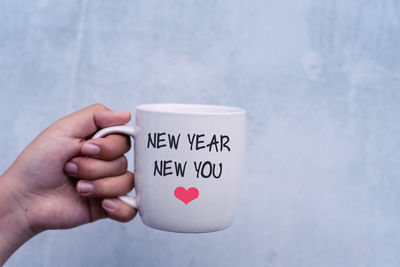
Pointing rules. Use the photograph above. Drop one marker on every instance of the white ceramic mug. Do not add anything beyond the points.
(188, 163)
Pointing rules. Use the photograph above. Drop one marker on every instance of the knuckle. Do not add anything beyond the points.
(130, 180)
(98, 188)
(123, 142)
(123, 164)
(130, 175)
(127, 215)
(87, 169)
(98, 106)
(127, 142)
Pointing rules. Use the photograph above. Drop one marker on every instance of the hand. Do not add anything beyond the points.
(62, 179)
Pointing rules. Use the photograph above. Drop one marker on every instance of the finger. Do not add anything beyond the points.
(89, 168)
(105, 118)
(118, 210)
(96, 210)
(87, 121)
(107, 148)
(106, 187)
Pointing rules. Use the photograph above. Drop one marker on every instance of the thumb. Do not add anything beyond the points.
(89, 120)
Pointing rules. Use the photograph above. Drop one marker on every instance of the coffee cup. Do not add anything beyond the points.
(188, 162)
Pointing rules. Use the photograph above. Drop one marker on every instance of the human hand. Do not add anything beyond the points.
(62, 179)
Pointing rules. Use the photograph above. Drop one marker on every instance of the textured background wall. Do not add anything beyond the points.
(320, 81)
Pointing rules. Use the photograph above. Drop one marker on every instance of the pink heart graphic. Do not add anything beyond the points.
(186, 195)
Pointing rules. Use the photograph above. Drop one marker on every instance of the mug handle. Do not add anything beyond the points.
(130, 130)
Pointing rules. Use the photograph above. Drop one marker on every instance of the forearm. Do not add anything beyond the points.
(14, 229)
(11, 238)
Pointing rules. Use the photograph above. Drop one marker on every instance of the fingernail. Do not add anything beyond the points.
(85, 188)
(90, 149)
(110, 204)
(71, 168)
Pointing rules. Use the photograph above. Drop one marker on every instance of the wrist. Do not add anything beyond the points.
(14, 227)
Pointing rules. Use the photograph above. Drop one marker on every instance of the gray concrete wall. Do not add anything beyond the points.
(320, 81)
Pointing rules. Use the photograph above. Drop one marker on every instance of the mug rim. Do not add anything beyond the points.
(191, 109)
